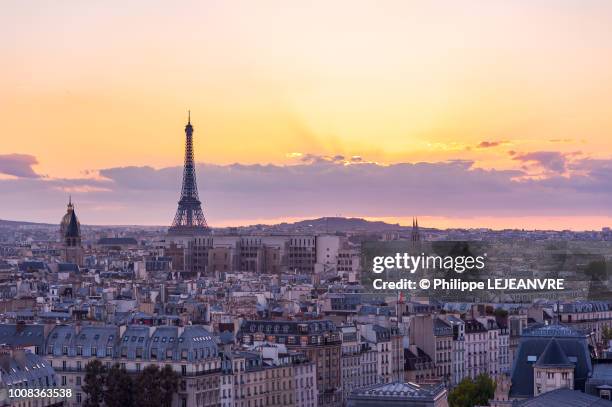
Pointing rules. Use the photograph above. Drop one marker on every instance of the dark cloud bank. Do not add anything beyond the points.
(18, 165)
(316, 186)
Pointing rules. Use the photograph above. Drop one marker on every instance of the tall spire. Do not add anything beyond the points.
(189, 218)
(416, 236)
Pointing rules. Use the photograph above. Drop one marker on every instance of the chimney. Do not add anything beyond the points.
(5, 359)
(19, 355)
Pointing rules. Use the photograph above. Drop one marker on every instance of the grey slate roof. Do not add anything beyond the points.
(22, 335)
(602, 376)
(137, 341)
(553, 355)
(574, 345)
(68, 267)
(28, 371)
(566, 398)
(33, 265)
(398, 391)
(117, 241)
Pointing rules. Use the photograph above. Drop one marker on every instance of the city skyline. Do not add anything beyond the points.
(378, 104)
(326, 172)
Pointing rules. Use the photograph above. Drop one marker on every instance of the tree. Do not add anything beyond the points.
(147, 388)
(169, 383)
(119, 389)
(470, 393)
(607, 334)
(501, 313)
(485, 387)
(93, 386)
(462, 394)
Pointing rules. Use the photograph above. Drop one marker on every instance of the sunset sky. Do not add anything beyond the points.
(477, 113)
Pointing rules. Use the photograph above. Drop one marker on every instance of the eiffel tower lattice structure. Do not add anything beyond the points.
(189, 218)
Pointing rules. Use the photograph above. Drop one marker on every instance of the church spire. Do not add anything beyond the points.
(416, 235)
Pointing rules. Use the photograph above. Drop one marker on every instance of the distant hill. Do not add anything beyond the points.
(333, 224)
(17, 223)
(344, 224)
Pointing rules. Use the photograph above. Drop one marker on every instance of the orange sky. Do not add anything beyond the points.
(93, 85)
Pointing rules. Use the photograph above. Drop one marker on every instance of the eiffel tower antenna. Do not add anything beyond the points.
(189, 218)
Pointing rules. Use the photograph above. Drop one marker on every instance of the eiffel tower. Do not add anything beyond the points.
(189, 218)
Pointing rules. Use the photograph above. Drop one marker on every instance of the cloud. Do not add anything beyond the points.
(489, 144)
(550, 161)
(18, 165)
(322, 186)
(314, 158)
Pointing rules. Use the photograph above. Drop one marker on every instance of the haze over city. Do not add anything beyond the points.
(383, 111)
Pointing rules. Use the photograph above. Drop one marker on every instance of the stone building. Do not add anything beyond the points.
(318, 340)
(191, 351)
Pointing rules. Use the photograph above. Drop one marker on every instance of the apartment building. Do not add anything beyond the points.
(318, 340)
(191, 351)
(389, 351)
(476, 348)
